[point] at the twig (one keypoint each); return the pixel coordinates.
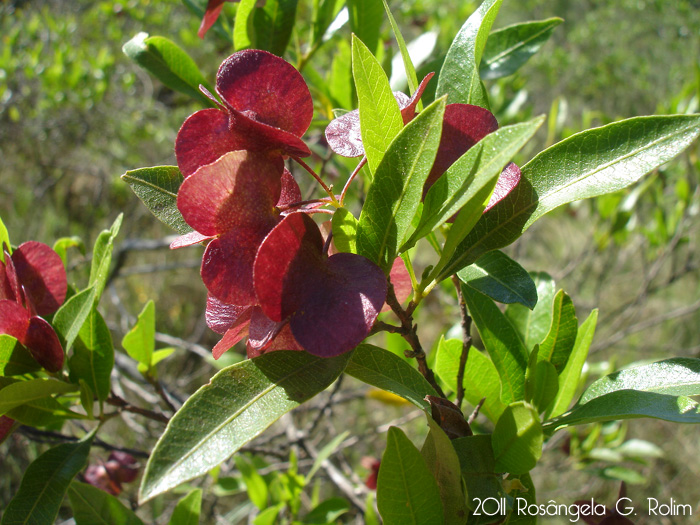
(466, 341)
(45, 436)
(409, 333)
(124, 405)
(475, 412)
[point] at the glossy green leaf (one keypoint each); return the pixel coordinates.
(4, 240)
(502, 343)
(326, 452)
(45, 483)
(383, 369)
(15, 359)
(102, 257)
(405, 56)
(660, 390)
(366, 18)
(517, 439)
(188, 509)
(87, 398)
(273, 24)
(587, 164)
(481, 378)
(327, 511)
(21, 392)
(92, 506)
(469, 182)
(395, 193)
(559, 342)
(459, 76)
(344, 226)
(532, 325)
(380, 116)
(237, 404)
(569, 377)
(254, 483)
(407, 493)
(324, 12)
(340, 81)
(42, 413)
(140, 342)
(501, 278)
(157, 188)
(166, 61)
(483, 483)
(541, 381)
(70, 317)
(442, 461)
(510, 47)
(243, 25)
(93, 356)
(62, 245)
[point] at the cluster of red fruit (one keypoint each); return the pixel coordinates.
(266, 265)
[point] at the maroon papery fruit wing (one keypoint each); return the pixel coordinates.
(230, 338)
(6, 425)
(189, 239)
(227, 265)
(239, 189)
(14, 320)
(266, 335)
(221, 316)
(210, 16)
(343, 135)
(98, 476)
(507, 181)
(12, 280)
(122, 466)
(408, 107)
(401, 281)
(290, 253)
(341, 302)
(204, 137)
(266, 89)
(290, 190)
(463, 126)
(6, 290)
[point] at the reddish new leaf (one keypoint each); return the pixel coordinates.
(507, 181)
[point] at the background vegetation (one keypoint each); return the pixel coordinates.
(75, 114)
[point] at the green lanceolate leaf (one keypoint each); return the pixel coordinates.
(238, 403)
(406, 490)
(273, 25)
(517, 439)
(166, 61)
(102, 257)
(559, 342)
(93, 356)
(501, 278)
(459, 76)
(380, 116)
(507, 352)
(366, 21)
(383, 369)
(70, 317)
(340, 81)
(21, 392)
(481, 380)
(660, 390)
(344, 226)
(477, 464)
(61, 247)
(509, 48)
(541, 381)
(326, 452)
(157, 188)
(92, 506)
(254, 483)
(324, 11)
(139, 342)
(15, 359)
(4, 240)
(532, 324)
(469, 182)
(569, 377)
(45, 482)
(442, 461)
(591, 163)
(188, 509)
(395, 193)
(243, 25)
(405, 56)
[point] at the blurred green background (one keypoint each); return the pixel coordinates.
(75, 114)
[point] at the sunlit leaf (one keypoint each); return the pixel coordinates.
(517, 439)
(92, 506)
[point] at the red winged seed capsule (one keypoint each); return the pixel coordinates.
(266, 107)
